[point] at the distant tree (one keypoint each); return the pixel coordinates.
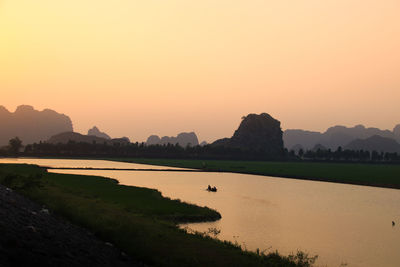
(374, 156)
(301, 153)
(28, 149)
(15, 145)
(291, 153)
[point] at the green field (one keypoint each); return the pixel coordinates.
(137, 220)
(381, 175)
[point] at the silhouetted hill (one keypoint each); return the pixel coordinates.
(221, 142)
(122, 140)
(260, 133)
(96, 132)
(396, 132)
(341, 136)
(66, 137)
(31, 125)
(319, 147)
(359, 130)
(204, 143)
(334, 137)
(187, 138)
(183, 139)
(296, 148)
(306, 139)
(376, 142)
(153, 140)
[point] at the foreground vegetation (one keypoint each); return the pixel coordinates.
(138, 220)
(381, 175)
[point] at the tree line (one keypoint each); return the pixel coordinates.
(141, 150)
(341, 154)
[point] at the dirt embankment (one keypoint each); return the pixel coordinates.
(31, 236)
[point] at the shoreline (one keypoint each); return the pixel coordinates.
(276, 175)
(379, 181)
(215, 171)
(33, 235)
(148, 233)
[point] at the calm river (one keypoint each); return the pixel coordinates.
(343, 224)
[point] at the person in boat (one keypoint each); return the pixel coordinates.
(211, 189)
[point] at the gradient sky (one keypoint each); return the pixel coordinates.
(136, 68)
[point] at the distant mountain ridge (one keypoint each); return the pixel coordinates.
(66, 137)
(335, 136)
(183, 139)
(375, 143)
(255, 132)
(96, 132)
(31, 125)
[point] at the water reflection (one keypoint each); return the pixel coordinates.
(341, 223)
(83, 163)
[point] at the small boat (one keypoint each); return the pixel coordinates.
(211, 189)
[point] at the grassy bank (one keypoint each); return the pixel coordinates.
(381, 175)
(138, 220)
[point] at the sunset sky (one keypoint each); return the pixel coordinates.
(136, 68)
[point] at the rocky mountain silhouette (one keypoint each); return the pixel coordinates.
(183, 139)
(335, 136)
(204, 143)
(31, 125)
(96, 132)
(258, 133)
(319, 147)
(64, 138)
(296, 139)
(396, 132)
(221, 142)
(376, 142)
(153, 140)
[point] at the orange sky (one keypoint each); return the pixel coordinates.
(137, 68)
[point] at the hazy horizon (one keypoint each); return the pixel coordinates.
(136, 68)
(200, 140)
